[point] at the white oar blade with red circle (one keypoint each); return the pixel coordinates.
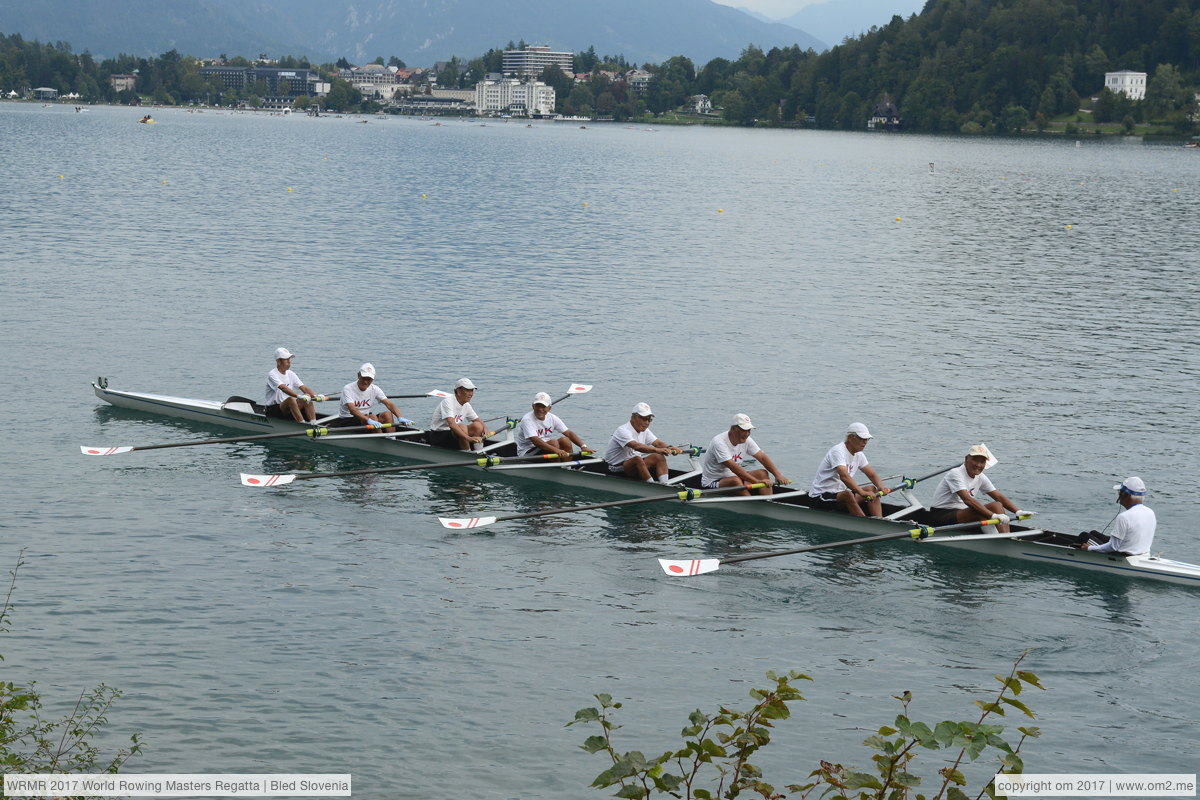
(437, 393)
(579, 388)
(103, 451)
(266, 480)
(461, 524)
(697, 566)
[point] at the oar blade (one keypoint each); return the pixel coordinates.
(264, 481)
(579, 388)
(461, 524)
(437, 393)
(103, 451)
(696, 566)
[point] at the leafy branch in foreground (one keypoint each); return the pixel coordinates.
(714, 761)
(53, 746)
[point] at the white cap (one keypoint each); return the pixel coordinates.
(643, 410)
(743, 422)
(464, 383)
(979, 450)
(367, 371)
(541, 398)
(859, 430)
(1132, 486)
(282, 352)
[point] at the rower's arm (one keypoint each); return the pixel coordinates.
(873, 476)
(392, 407)
(973, 504)
(766, 461)
(1004, 501)
(572, 436)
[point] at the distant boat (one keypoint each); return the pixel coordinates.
(1191, 144)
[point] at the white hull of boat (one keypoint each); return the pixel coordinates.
(785, 505)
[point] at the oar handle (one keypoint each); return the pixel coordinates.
(909, 483)
(925, 531)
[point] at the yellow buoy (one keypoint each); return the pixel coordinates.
(720, 211)
(61, 177)
(585, 204)
(1069, 227)
(289, 188)
(897, 219)
(164, 183)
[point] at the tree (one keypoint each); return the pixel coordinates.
(1164, 92)
(396, 62)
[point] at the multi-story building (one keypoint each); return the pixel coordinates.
(639, 80)
(122, 82)
(535, 58)
(1133, 84)
(499, 95)
(281, 82)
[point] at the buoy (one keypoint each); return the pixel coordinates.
(720, 211)
(422, 197)
(164, 183)
(289, 188)
(897, 219)
(585, 205)
(1068, 227)
(61, 177)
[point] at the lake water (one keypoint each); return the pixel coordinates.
(1035, 295)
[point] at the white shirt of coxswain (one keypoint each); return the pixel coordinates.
(543, 429)
(619, 451)
(275, 379)
(1133, 533)
(362, 399)
(450, 407)
(956, 480)
(827, 480)
(720, 450)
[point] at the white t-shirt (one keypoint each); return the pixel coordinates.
(955, 481)
(619, 451)
(450, 407)
(1133, 533)
(275, 379)
(359, 398)
(720, 450)
(827, 480)
(543, 429)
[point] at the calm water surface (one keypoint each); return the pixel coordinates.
(1038, 296)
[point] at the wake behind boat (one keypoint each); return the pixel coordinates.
(787, 504)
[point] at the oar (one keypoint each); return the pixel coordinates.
(685, 495)
(576, 388)
(909, 483)
(699, 566)
(482, 461)
(434, 393)
(314, 432)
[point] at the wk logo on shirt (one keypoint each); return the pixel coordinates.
(544, 432)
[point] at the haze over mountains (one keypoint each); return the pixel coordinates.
(418, 31)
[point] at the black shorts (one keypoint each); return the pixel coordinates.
(445, 439)
(943, 516)
(825, 500)
(277, 412)
(345, 422)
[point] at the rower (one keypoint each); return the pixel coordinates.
(357, 398)
(455, 424)
(722, 467)
(634, 450)
(287, 397)
(957, 496)
(1136, 523)
(542, 432)
(834, 486)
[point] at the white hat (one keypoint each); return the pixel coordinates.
(464, 383)
(541, 398)
(1132, 486)
(282, 352)
(367, 371)
(859, 430)
(979, 450)
(643, 410)
(743, 422)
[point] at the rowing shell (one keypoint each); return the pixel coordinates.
(787, 504)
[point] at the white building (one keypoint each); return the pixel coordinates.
(535, 58)
(511, 96)
(1133, 84)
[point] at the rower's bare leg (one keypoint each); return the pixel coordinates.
(476, 428)
(875, 506)
(848, 500)
(291, 404)
(636, 468)
(658, 462)
(733, 481)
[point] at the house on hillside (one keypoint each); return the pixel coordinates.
(1131, 84)
(886, 116)
(698, 104)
